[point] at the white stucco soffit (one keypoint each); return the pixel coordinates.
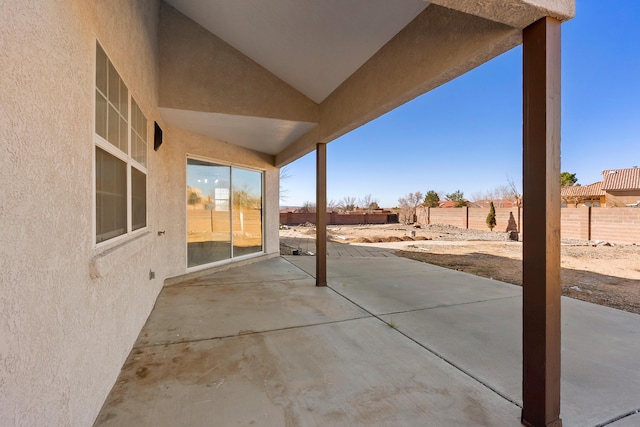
(313, 45)
(268, 136)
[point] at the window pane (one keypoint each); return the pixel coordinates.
(124, 137)
(139, 150)
(143, 127)
(114, 86)
(138, 199)
(111, 196)
(101, 115)
(247, 211)
(208, 215)
(113, 130)
(138, 134)
(124, 100)
(101, 69)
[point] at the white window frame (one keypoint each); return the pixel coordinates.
(100, 142)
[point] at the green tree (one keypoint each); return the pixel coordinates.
(431, 200)
(568, 179)
(458, 197)
(491, 218)
(194, 198)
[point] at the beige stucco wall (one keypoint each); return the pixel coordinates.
(70, 312)
(622, 198)
(225, 80)
(177, 146)
(64, 335)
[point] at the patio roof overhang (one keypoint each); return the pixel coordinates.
(285, 78)
(279, 77)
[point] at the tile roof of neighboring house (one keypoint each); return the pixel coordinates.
(621, 179)
(446, 204)
(591, 190)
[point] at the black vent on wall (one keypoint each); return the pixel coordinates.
(157, 136)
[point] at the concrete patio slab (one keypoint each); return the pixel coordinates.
(272, 269)
(354, 266)
(469, 337)
(629, 421)
(382, 294)
(600, 362)
(355, 373)
(402, 284)
(600, 347)
(196, 312)
(252, 346)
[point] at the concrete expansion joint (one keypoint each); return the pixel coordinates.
(246, 333)
(447, 305)
(256, 282)
(621, 417)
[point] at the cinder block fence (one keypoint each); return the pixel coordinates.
(616, 225)
(295, 218)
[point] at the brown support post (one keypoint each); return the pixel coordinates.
(466, 221)
(541, 240)
(589, 223)
(321, 215)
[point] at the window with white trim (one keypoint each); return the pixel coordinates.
(120, 154)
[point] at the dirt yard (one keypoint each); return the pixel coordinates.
(606, 275)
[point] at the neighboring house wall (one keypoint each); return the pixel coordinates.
(595, 201)
(618, 198)
(70, 311)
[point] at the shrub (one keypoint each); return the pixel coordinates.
(491, 218)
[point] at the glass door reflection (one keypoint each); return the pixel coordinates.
(208, 212)
(247, 211)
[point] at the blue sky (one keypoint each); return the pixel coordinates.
(467, 134)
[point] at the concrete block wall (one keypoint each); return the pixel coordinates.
(295, 218)
(454, 216)
(575, 224)
(291, 218)
(617, 225)
(506, 219)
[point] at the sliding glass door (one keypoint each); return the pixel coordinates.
(224, 212)
(246, 211)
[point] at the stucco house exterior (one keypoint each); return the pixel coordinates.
(584, 195)
(112, 110)
(621, 187)
(618, 188)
